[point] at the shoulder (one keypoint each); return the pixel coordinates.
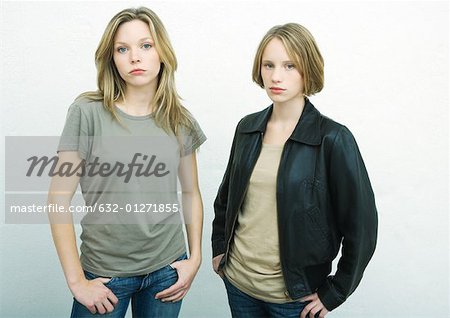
(256, 115)
(191, 128)
(85, 105)
(254, 120)
(88, 110)
(331, 128)
(189, 123)
(317, 129)
(336, 136)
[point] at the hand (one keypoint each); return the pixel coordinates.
(315, 306)
(94, 295)
(216, 262)
(186, 269)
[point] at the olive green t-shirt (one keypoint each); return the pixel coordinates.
(125, 242)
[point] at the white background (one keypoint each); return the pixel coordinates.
(387, 79)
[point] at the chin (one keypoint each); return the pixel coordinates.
(278, 99)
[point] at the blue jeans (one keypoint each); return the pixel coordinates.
(245, 306)
(141, 290)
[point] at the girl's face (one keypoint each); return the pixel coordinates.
(281, 77)
(135, 55)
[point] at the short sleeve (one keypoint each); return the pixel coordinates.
(192, 138)
(75, 133)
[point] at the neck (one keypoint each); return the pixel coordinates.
(137, 101)
(288, 112)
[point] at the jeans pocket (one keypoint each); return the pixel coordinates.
(181, 258)
(91, 276)
(111, 281)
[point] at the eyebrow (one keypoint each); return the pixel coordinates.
(288, 61)
(140, 40)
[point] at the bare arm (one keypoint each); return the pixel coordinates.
(193, 210)
(92, 294)
(192, 200)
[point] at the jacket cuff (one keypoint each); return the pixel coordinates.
(218, 247)
(329, 296)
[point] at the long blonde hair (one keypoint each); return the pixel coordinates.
(169, 113)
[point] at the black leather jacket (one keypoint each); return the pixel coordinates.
(324, 199)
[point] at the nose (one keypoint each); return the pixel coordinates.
(134, 56)
(276, 75)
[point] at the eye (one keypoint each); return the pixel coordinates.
(146, 46)
(290, 66)
(268, 65)
(121, 49)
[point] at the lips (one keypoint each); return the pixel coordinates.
(137, 71)
(276, 90)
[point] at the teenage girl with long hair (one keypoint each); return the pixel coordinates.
(130, 258)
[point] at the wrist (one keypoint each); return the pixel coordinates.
(75, 282)
(196, 258)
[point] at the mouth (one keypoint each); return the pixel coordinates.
(276, 90)
(137, 71)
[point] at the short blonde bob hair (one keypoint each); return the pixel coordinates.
(301, 48)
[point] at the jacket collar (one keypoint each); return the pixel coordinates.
(307, 130)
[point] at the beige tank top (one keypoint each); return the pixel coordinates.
(254, 262)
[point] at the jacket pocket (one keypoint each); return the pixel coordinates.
(317, 237)
(318, 224)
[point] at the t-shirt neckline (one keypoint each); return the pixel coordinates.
(132, 117)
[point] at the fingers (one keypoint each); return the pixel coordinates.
(175, 297)
(108, 299)
(173, 290)
(306, 311)
(174, 293)
(315, 307)
(313, 312)
(107, 307)
(308, 298)
(92, 309)
(186, 271)
(169, 291)
(100, 308)
(98, 298)
(112, 298)
(323, 312)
